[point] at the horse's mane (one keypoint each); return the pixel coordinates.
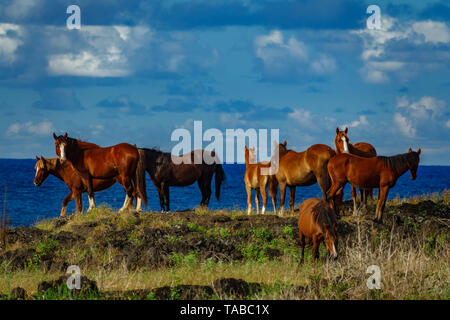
(397, 163)
(51, 163)
(83, 145)
(320, 215)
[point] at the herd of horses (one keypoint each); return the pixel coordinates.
(87, 167)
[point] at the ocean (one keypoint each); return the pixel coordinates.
(27, 204)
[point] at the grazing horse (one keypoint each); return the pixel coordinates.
(317, 221)
(66, 172)
(120, 162)
(255, 180)
(302, 169)
(368, 173)
(362, 149)
(167, 170)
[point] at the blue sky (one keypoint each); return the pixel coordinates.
(137, 70)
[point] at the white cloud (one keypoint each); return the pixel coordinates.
(356, 123)
(447, 124)
(433, 31)
(425, 113)
(379, 55)
(302, 116)
(87, 64)
(41, 129)
(404, 125)
(287, 59)
(9, 43)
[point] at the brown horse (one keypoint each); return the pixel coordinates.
(301, 169)
(66, 172)
(255, 180)
(164, 172)
(120, 162)
(317, 221)
(368, 173)
(362, 149)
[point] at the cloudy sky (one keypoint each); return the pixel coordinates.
(137, 70)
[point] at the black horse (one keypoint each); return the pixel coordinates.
(164, 173)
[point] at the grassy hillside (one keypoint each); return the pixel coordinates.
(228, 254)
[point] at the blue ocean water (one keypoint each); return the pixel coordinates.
(27, 203)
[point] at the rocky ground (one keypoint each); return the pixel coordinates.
(150, 241)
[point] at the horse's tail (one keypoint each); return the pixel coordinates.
(141, 185)
(220, 176)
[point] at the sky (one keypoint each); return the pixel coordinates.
(137, 70)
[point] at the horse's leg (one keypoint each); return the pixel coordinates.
(166, 196)
(302, 245)
(161, 197)
(65, 203)
(249, 198)
(273, 186)
(207, 190)
(354, 195)
(128, 186)
(384, 190)
(263, 190)
(91, 194)
(282, 197)
(315, 247)
(257, 200)
(79, 202)
(291, 200)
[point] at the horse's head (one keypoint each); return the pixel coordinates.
(42, 171)
(331, 239)
(252, 155)
(341, 141)
(61, 144)
(413, 165)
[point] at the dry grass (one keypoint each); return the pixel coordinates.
(413, 265)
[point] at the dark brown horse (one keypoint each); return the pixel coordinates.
(302, 169)
(317, 221)
(166, 171)
(254, 179)
(362, 149)
(369, 173)
(66, 172)
(120, 162)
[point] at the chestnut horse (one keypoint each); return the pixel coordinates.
(362, 149)
(165, 173)
(301, 169)
(368, 173)
(255, 180)
(317, 221)
(120, 162)
(66, 172)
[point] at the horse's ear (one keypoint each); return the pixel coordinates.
(285, 143)
(54, 136)
(37, 158)
(43, 159)
(346, 129)
(419, 151)
(337, 130)
(65, 136)
(410, 150)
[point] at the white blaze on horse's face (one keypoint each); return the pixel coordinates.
(62, 152)
(334, 251)
(344, 141)
(37, 171)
